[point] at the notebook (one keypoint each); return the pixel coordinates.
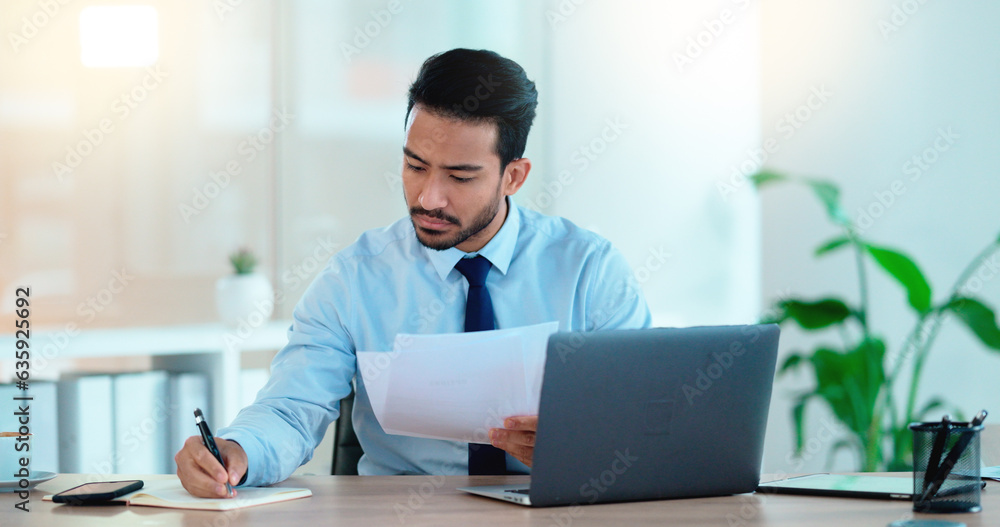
(647, 414)
(170, 494)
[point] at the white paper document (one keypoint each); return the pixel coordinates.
(456, 386)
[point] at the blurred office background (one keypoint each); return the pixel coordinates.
(139, 146)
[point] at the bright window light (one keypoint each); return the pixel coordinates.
(118, 36)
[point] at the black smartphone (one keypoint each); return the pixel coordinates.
(97, 492)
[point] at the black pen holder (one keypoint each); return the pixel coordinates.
(946, 465)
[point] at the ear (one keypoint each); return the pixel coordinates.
(514, 175)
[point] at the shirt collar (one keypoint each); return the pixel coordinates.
(499, 250)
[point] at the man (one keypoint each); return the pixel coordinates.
(466, 126)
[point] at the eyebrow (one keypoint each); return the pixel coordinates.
(458, 168)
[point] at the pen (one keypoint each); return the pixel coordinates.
(206, 437)
(949, 462)
(934, 463)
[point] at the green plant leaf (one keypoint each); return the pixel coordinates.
(906, 272)
(776, 315)
(829, 195)
(815, 315)
(832, 245)
(798, 418)
(243, 261)
(978, 317)
(901, 458)
(831, 368)
(827, 192)
(793, 361)
(850, 383)
(764, 177)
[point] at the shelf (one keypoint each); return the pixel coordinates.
(210, 348)
(158, 340)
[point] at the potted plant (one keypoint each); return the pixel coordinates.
(244, 296)
(856, 377)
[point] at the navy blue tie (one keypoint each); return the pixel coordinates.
(483, 459)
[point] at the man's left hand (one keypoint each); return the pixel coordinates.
(517, 437)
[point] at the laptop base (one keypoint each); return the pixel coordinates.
(513, 493)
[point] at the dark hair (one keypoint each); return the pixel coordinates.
(479, 86)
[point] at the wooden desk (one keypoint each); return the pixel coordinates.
(424, 500)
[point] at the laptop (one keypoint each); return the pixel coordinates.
(646, 414)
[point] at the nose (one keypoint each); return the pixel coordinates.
(432, 196)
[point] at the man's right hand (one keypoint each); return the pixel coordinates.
(202, 475)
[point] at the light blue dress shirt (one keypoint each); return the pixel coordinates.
(544, 268)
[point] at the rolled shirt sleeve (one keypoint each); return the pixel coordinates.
(309, 377)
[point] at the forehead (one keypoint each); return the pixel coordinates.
(446, 140)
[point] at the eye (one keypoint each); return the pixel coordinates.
(414, 168)
(461, 179)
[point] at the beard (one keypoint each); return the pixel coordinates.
(434, 240)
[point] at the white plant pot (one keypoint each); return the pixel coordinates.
(244, 299)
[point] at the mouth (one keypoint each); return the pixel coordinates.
(431, 223)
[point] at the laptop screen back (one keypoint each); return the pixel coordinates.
(653, 413)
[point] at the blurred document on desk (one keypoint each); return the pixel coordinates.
(456, 386)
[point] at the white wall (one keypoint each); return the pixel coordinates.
(637, 138)
(891, 93)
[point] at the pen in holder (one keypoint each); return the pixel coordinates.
(946, 465)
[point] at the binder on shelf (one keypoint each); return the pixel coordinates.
(142, 413)
(187, 392)
(44, 426)
(8, 421)
(86, 425)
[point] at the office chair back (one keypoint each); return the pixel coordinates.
(346, 448)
